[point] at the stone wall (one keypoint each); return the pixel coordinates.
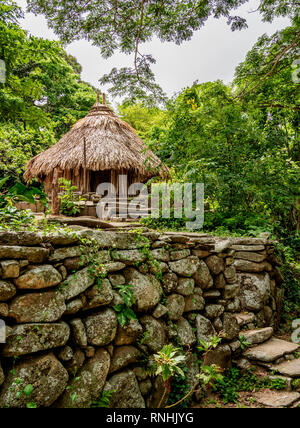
(64, 335)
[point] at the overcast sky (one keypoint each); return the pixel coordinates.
(213, 53)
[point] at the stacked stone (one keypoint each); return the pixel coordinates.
(62, 326)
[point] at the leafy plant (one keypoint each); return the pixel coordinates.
(103, 401)
(167, 364)
(69, 202)
(124, 311)
(243, 342)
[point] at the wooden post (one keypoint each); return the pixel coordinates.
(84, 166)
(55, 204)
(104, 99)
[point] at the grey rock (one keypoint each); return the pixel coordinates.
(179, 254)
(245, 318)
(45, 373)
(211, 294)
(129, 257)
(271, 350)
(161, 254)
(234, 306)
(75, 363)
(37, 307)
(32, 254)
(145, 387)
(169, 282)
(39, 277)
(205, 329)
(194, 303)
(276, 399)
(200, 253)
(247, 247)
(63, 271)
(66, 354)
(159, 311)
(185, 267)
(78, 331)
(231, 328)
(203, 277)
(157, 394)
(129, 333)
(123, 356)
(156, 337)
(175, 305)
(20, 238)
(213, 311)
(230, 291)
(90, 383)
(2, 377)
(77, 283)
(3, 309)
(116, 279)
(219, 281)
(289, 368)
(140, 373)
(220, 356)
(65, 252)
(10, 269)
(146, 289)
(185, 333)
(114, 266)
(99, 295)
(230, 274)
(218, 325)
(254, 290)
(101, 327)
(7, 290)
(215, 264)
(192, 372)
(254, 337)
(31, 338)
(125, 391)
(185, 286)
(251, 256)
(247, 266)
(73, 306)
(120, 240)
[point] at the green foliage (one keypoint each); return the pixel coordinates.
(11, 218)
(41, 97)
(68, 199)
(167, 362)
(124, 25)
(124, 311)
(209, 375)
(207, 346)
(179, 388)
(235, 381)
(124, 314)
(243, 342)
(103, 401)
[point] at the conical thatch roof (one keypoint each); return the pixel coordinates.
(111, 144)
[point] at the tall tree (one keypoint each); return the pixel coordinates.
(123, 25)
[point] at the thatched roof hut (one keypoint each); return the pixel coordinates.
(97, 149)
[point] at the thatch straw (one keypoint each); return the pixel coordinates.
(111, 144)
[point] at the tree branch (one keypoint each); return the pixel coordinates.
(272, 69)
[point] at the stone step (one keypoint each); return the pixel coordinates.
(271, 350)
(288, 368)
(277, 399)
(257, 336)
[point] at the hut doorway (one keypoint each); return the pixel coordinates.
(98, 177)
